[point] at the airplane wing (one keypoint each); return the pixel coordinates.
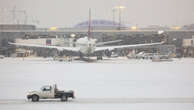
(74, 49)
(108, 42)
(125, 46)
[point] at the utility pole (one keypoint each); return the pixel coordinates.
(113, 15)
(119, 18)
(13, 15)
(120, 8)
(26, 18)
(14, 12)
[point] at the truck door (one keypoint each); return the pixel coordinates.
(46, 92)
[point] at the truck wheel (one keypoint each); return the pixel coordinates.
(64, 98)
(35, 98)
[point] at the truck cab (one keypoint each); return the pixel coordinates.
(47, 92)
(50, 92)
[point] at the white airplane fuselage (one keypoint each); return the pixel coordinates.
(87, 46)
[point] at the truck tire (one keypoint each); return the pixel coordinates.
(35, 98)
(64, 98)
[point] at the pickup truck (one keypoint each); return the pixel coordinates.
(50, 92)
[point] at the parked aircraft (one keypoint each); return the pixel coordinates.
(88, 46)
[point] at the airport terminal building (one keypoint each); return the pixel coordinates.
(103, 30)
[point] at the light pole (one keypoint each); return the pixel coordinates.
(119, 9)
(113, 15)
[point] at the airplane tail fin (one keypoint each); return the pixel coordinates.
(89, 24)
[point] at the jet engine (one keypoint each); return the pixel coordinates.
(108, 53)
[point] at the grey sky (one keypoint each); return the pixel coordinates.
(65, 13)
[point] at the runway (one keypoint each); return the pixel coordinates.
(100, 101)
(118, 84)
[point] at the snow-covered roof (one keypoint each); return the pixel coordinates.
(100, 23)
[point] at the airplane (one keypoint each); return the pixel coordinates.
(88, 46)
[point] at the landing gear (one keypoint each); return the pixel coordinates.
(70, 59)
(99, 57)
(80, 55)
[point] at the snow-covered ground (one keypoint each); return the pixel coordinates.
(108, 79)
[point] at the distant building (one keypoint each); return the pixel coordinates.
(17, 27)
(42, 41)
(188, 47)
(189, 27)
(188, 42)
(156, 28)
(100, 25)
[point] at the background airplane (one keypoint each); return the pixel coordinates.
(88, 46)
